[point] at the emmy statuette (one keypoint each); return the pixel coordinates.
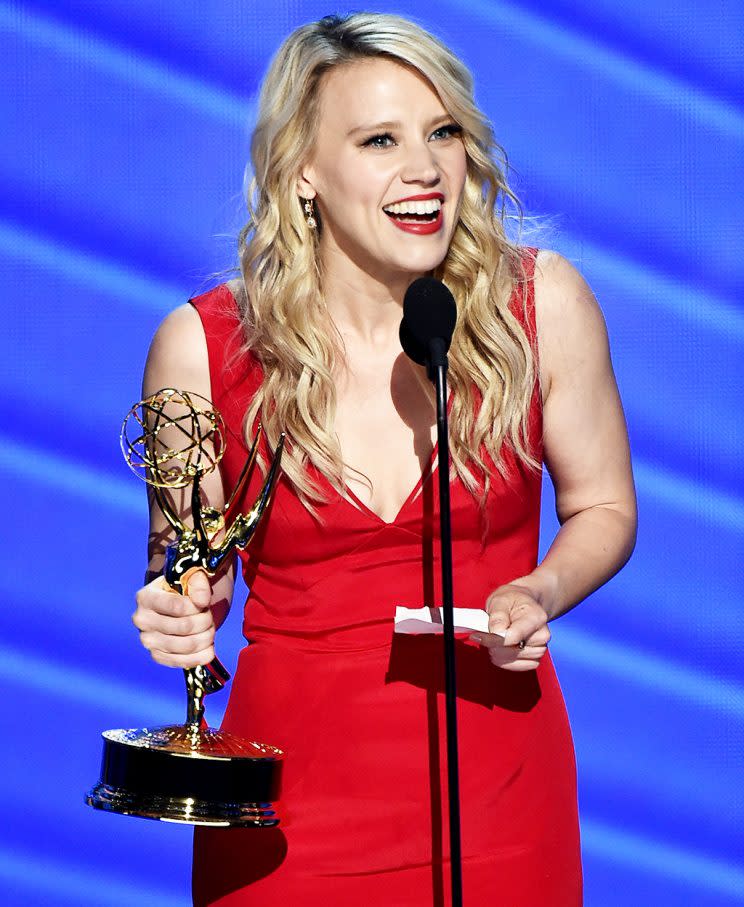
(189, 772)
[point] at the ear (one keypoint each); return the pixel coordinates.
(305, 183)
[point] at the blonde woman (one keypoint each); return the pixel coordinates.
(372, 166)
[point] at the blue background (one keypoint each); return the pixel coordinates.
(125, 131)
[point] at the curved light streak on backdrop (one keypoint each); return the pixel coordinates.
(125, 137)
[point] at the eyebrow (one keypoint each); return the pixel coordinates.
(394, 124)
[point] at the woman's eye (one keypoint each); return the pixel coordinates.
(384, 140)
(446, 132)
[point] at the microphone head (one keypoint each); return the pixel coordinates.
(429, 312)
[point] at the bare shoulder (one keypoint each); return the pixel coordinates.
(561, 292)
(572, 334)
(178, 354)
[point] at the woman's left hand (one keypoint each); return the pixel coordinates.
(514, 609)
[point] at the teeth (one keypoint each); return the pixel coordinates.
(427, 207)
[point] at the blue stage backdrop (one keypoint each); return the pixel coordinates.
(125, 131)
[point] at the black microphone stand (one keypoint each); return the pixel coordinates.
(436, 367)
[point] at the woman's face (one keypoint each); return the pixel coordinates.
(387, 170)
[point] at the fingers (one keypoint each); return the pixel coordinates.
(177, 645)
(161, 599)
(511, 658)
(529, 627)
(198, 588)
(489, 640)
(520, 666)
(180, 651)
(498, 620)
(177, 630)
(202, 657)
(518, 633)
(188, 625)
(526, 619)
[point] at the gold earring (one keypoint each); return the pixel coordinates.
(310, 214)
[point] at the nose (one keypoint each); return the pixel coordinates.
(420, 166)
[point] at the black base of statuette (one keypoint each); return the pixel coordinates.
(195, 776)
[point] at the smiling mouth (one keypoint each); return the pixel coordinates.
(415, 212)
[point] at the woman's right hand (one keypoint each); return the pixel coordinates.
(177, 630)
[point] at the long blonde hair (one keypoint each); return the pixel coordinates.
(285, 323)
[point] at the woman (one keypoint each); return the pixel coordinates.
(373, 167)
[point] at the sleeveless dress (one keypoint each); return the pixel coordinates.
(359, 709)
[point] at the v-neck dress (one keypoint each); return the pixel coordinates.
(359, 708)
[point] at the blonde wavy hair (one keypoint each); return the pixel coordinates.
(285, 322)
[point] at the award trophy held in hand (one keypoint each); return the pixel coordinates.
(190, 772)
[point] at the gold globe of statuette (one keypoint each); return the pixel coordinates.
(191, 773)
(171, 436)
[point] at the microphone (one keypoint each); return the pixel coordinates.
(429, 316)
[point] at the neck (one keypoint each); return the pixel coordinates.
(362, 303)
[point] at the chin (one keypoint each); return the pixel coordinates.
(422, 263)
(425, 253)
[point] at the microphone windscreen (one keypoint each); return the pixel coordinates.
(429, 312)
(411, 347)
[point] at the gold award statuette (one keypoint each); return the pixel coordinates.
(190, 772)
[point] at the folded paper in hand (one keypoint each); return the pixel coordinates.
(429, 620)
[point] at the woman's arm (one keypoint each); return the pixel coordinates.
(585, 442)
(586, 452)
(178, 630)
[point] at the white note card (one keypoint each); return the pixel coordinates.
(429, 620)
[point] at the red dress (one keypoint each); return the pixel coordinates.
(360, 710)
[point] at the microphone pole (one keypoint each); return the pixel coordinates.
(437, 371)
(429, 318)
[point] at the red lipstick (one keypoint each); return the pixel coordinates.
(419, 227)
(419, 198)
(423, 228)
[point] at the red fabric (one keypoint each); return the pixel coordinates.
(360, 710)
